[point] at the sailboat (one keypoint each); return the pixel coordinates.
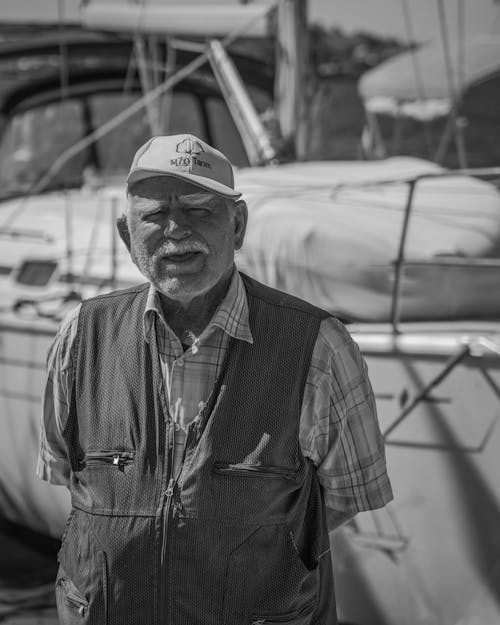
(403, 250)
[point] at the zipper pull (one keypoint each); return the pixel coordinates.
(117, 460)
(170, 488)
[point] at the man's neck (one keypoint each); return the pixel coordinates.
(188, 318)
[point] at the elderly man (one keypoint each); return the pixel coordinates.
(202, 421)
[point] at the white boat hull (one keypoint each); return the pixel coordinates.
(432, 556)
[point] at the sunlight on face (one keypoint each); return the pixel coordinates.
(182, 238)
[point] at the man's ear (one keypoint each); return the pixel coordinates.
(240, 223)
(121, 224)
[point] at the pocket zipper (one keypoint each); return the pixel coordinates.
(74, 600)
(116, 458)
(254, 470)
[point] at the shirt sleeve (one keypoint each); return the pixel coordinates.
(53, 464)
(339, 429)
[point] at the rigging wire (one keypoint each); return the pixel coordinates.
(417, 71)
(452, 90)
(170, 62)
(142, 47)
(63, 53)
(127, 89)
(64, 90)
(461, 69)
(39, 185)
(146, 82)
(461, 31)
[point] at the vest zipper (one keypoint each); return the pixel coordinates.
(169, 493)
(166, 513)
(167, 502)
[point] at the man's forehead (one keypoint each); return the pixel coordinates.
(169, 189)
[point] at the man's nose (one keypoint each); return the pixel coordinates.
(177, 226)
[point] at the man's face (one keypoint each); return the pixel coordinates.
(183, 238)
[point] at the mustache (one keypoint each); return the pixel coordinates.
(183, 248)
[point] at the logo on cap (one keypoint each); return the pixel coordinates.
(189, 146)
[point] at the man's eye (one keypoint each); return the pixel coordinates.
(199, 211)
(152, 213)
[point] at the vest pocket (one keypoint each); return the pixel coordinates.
(254, 470)
(266, 582)
(113, 457)
(72, 606)
(302, 616)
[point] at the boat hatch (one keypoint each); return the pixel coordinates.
(35, 272)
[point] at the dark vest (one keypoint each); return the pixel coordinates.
(239, 537)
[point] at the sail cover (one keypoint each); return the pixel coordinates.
(316, 231)
(417, 83)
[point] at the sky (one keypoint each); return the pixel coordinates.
(380, 17)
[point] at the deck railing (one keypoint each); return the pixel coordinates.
(400, 262)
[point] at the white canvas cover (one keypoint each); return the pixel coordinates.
(334, 246)
(394, 88)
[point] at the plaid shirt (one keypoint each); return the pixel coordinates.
(339, 429)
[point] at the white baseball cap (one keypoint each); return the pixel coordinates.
(185, 157)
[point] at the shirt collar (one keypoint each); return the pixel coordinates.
(231, 316)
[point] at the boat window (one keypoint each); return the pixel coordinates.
(185, 116)
(33, 140)
(181, 114)
(35, 272)
(224, 133)
(116, 150)
(31, 143)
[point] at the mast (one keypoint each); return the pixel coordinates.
(251, 20)
(292, 82)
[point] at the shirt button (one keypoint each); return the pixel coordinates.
(180, 363)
